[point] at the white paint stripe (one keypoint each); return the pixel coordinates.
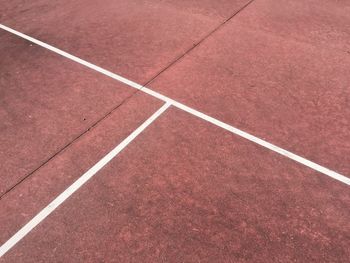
(251, 138)
(74, 58)
(265, 144)
(183, 107)
(77, 184)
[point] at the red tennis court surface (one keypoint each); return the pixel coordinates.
(232, 144)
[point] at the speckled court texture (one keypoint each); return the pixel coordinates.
(175, 131)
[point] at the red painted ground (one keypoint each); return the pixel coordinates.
(46, 102)
(186, 191)
(273, 64)
(134, 38)
(317, 22)
(292, 94)
(27, 199)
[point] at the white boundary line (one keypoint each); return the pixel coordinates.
(78, 183)
(183, 107)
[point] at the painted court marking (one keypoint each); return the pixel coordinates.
(192, 111)
(78, 183)
(99, 165)
(183, 107)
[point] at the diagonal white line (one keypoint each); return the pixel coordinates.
(265, 144)
(78, 183)
(74, 58)
(190, 110)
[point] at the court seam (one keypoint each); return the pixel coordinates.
(79, 182)
(187, 109)
(113, 109)
(198, 43)
(105, 115)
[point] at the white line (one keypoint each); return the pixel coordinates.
(265, 144)
(74, 58)
(77, 184)
(183, 107)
